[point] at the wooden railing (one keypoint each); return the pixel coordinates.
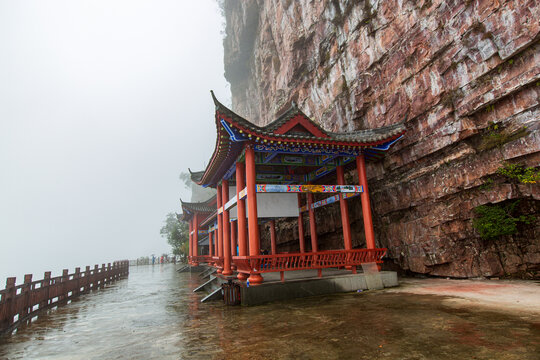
(20, 303)
(305, 261)
(200, 259)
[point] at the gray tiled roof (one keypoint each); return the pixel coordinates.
(362, 137)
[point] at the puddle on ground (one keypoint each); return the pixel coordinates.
(155, 315)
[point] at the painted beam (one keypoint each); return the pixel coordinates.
(270, 188)
(230, 203)
(243, 193)
(330, 200)
(304, 150)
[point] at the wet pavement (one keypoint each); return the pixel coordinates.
(155, 315)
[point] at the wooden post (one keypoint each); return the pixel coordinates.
(45, 287)
(196, 237)
(366, 207)
(190, 243)
(210, 244)
(77, 281)
(220, 225)
(234, 227)
(347, 239)
(64, 288)
(95, 277)
(241, 209)
(103, 276)
(226, 229)
(87, 276)
(273, 247)
(25, 297)
(254, 244)
(312, 224)
(241, 214)
(215, 243)
(109, 271)
(301, 226)
(8, 304)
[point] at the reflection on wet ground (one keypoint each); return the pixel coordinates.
(155, 315)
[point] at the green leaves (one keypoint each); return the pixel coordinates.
(519, 173)
(497, 220)
(177, 234)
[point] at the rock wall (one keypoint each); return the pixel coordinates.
(466, 72)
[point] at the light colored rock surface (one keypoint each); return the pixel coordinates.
(514, 296)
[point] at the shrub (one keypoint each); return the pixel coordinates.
(519, 173)
(498, 220)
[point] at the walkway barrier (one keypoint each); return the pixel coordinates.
(20, 303)
(200, 259)
(305, 261)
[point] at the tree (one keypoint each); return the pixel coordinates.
(177, 234)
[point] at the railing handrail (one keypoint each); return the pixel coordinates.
(68, 276)
(323, 252)
(27, 299)
(305, 261)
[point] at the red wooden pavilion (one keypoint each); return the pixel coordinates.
(262, 173)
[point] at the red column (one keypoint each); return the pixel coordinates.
(220, 226)
(273, 237)
(226, 229)
(347, 239)
(190, 250)
(254, 245)
(215, 243)
(234, 224)
(234, 227)
(366, 207)
(312, 225)
(241, 210)
(210, 244)
(195, 237)
(301, 226)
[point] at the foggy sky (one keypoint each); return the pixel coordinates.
(102, 105)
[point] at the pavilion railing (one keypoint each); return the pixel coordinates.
(218, 262)
(306, 261)
(201, 259)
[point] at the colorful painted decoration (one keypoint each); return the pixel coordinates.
(303, 150)
(270, 188)
(328, 201)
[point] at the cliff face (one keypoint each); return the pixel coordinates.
(467, 73)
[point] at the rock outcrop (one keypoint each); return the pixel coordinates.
(467, 73)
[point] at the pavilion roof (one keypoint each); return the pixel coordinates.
(292, 128)
(203, 207)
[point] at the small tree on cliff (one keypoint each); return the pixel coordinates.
(177, 234)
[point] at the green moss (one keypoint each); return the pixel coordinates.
(519, 173)
(496, 135)
(498, 220)
(487, 185)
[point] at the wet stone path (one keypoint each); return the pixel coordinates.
(155, 315)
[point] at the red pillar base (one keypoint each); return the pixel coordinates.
(242, 276)
(255, 279)
(227, 272)
(194, 264)
(219, 271)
